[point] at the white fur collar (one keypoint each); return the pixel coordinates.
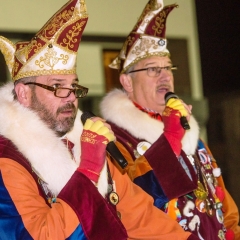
(117, 108)
(43, 149)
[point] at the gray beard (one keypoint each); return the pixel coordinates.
(60, 127)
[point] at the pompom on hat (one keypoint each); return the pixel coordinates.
(53, 50)
(147, 37)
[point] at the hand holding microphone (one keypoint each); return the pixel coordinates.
(110, 147)
(175, 122)
(173, 101)
(94, 140)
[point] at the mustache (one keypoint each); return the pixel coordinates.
(163, 86)
(68, 106)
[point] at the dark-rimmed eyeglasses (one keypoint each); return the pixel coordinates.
(62, 92)
(155, 71)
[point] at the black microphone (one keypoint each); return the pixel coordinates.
(111, 147)
(183, 120)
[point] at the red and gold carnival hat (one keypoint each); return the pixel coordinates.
(53, 50)
(147, 37)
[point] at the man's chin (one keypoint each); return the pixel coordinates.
(65, 125)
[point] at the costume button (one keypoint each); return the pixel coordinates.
(113, 197)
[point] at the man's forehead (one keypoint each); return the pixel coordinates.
(58, 78)
(155, 59)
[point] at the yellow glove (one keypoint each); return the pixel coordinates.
(99, 128)
(177, 104)
(94, 140)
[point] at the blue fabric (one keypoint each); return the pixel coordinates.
(11, 225)
(200, 145)
(149, 184)
(77, 234)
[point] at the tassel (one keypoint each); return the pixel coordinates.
(229, 234)
(220, 193)
(217, 172)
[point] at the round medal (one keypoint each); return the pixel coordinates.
(142, 147)
(219, 215)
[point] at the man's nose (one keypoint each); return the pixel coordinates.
(164, 75)
(71, 97)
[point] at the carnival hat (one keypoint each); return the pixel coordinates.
(53, 50)
(147, 37)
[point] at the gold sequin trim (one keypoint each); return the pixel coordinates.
(44, 72)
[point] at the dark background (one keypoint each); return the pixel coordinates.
(219, 35)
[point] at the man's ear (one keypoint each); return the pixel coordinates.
(23, 94)
(126, 82)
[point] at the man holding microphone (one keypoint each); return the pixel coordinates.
(160, 138)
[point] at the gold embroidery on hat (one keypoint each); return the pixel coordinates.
(33, 44)
(51, 59)
(25, 50)
(16, 66)
(159, 26)
(154, 5)
(54, 47)
(8, 56)
(144, 46)
(144, 13)
(57, 23)
(129, 42)
(83, 7)
(117, 63)
(139, 58)
(71, 36)
(44, 72)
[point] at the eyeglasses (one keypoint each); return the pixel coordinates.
(155, 71)
(61, 92)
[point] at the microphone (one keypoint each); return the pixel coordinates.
(183, 120)
(111, 147)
